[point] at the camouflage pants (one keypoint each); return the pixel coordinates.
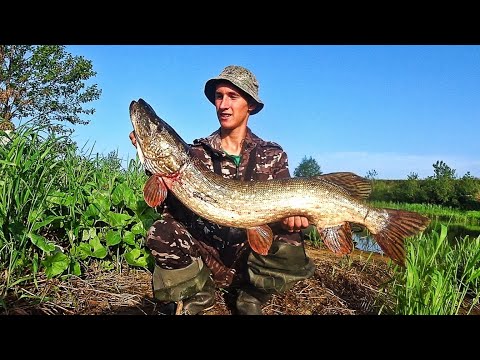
(226, 253)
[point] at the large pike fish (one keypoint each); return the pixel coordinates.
(330, 202)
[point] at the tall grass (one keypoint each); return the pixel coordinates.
(28, 172)
(440, 278)
(61, 208)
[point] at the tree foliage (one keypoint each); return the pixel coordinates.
(442, 171)
(443, 188)
(307, 167)
(440, 187)
(46, 85)
(371, 174)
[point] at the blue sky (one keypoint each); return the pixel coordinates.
(395, 109)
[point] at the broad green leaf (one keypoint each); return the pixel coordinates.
(93, 248)
(34, 214)
(101, 201)
(130, 199)
(138, 257)
(113, 237)
(17, 229)
(89, 234)
(122, 193)
(117, 220)
(99, 251)
(55, 264)
(91, 212)
(138, 229)
(129, 238)
(47, 221)
(139, 207)
(83, 251)
(60, 198)
(41, 242)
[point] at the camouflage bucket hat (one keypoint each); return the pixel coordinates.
(241, 78)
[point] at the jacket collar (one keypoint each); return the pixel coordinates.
(214, 142)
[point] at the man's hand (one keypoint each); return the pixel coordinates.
(294, 223)
(132, 138)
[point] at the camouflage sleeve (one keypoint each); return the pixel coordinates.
(197, 151)
(177, 210)
(200, 153)
(281, 170)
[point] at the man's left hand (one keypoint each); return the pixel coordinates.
(294, 223)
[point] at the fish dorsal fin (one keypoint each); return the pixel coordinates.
(155, 191)
(355, 185)
(338, 238)
(260, 238)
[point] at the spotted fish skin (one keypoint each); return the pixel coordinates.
(330, 201)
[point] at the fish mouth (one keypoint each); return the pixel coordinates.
(156, 141)
(144, 119)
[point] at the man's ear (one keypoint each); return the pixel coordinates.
(252, 106)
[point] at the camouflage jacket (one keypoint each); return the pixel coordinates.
(260, 160)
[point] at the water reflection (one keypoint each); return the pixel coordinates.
(366, 243)
(456, 231)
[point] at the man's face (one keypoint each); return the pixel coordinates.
(232, 107)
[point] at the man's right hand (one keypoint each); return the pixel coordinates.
(294, 223)
(133, 139)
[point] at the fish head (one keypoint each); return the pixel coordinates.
(160, 149)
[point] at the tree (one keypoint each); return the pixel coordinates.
(413, 176)
(307, 167)
(45, 84)
(440, 188)
(371, 174)
(466, 189)
(443, 171)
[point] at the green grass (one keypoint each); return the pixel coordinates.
(439, 278)
(61, 209)
(435, 212)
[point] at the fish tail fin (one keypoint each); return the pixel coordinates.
(400, 225)
(338, 238)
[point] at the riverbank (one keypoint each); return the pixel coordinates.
(349, 285)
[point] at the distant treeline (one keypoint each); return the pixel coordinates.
(463, 193)
(444, 188)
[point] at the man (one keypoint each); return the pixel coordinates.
(193, 256)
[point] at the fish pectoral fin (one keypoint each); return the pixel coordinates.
(155, 191)
(260, 238)
(338, 238)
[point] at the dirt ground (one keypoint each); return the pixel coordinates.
(348, 285)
